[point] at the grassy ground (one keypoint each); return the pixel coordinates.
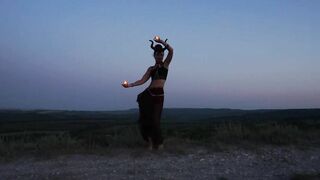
(46, 139)
(305, 176)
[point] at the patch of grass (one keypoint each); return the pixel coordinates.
(106, 138)
(220, 136)
(127, 136)
(41, 146)
(305, 176)
(177, 145)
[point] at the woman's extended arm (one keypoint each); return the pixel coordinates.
(144, 78)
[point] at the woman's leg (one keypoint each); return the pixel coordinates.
(145, 115)
(156, 125)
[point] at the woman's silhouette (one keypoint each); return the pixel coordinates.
(151, 99)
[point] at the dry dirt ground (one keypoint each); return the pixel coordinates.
(196, 163)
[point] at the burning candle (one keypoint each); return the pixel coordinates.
(157, 38)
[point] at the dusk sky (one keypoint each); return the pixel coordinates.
(74, 54)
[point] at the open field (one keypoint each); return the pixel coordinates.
(206, 138)
(44, 131)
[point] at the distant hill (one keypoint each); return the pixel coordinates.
(238, 114)
(169, 115)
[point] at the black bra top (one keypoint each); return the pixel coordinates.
(159, 73)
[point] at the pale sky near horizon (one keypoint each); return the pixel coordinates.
(74, 54)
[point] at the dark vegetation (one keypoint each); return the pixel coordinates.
(300, 176)
(44, 132)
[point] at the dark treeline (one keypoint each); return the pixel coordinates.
(172, 114)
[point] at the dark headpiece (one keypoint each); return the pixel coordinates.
(158, 47)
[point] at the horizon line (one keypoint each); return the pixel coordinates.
(130, 109)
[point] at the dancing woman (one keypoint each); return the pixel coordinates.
(151, 99)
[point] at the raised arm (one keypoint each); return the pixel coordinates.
(170, 54)
(144, 79)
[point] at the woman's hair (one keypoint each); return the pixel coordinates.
(157, 48)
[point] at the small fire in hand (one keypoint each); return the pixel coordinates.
(125, 83)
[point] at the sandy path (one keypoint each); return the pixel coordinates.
(266, 163)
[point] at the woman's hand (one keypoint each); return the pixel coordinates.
(125, 84)
(157, 39)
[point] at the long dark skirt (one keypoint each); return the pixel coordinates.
(150, 109)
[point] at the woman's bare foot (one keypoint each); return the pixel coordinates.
(150, 147)
(160, 147)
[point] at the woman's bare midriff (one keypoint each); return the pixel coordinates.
(159, 83)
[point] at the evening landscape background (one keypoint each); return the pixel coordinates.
(74, 55)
